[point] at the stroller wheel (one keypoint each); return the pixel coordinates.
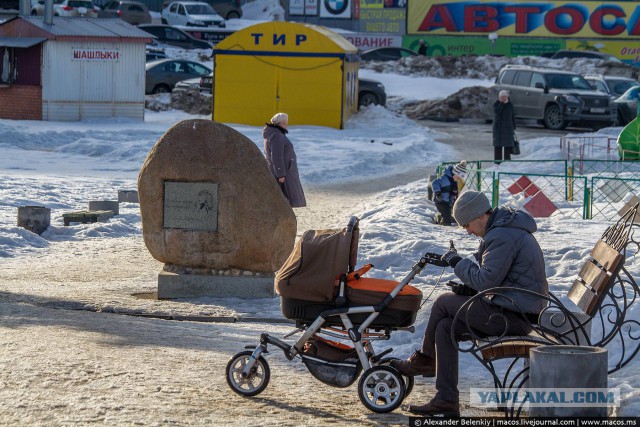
(408, 381)
(381, 389)
(255, 382)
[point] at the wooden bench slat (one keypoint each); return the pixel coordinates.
(606, 256)
(594, 277)
(583, 297)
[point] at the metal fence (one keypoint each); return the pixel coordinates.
(600, 192)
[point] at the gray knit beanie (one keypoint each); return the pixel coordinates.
(469, 206)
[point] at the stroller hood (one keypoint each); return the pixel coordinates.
(320, 257)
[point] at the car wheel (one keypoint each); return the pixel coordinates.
(553, 118)
(233, 15)
(161, 88)
(164, 21)
(366, 99)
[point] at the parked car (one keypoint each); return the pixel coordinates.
(133, 12)
(163, 74)
(173, 36)
(371, 92)
(584, 54)
(84, 8)
(202, 84)
(192, 14)
(386, 54)
(555, 98)
(228, 9)
(628, 105)
(10, 4)
(613, 86)
(153, 55)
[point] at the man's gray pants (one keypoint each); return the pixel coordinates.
(437, 341)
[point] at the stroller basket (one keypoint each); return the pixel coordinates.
(331, 362)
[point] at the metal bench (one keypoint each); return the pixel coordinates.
(603, 293)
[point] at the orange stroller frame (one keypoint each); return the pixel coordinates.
(353, 312)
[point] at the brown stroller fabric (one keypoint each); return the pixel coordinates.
(313, 269)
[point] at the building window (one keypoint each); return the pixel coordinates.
(7, 66)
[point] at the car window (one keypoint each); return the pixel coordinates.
(523, 78)
(135, 8)
(111, 5)
(80, 3)
(507, 77)
(567, 81)
(175, 35)
(537, 78)
(199, 9)
(173, 8)
(181, 10)
(599, 86)
(620, 87)
(198, 69)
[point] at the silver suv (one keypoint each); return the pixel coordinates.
(555, 98)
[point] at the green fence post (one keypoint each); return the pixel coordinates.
(496, 190)
(569, 189)
(586, 212)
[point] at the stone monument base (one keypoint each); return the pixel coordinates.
(174, 285)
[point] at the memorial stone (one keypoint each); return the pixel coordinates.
(209, 206)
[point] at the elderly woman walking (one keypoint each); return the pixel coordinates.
(281, 158)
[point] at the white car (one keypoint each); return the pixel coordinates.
(83, 8)
(191, 13)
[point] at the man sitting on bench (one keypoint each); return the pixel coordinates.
(508, 256)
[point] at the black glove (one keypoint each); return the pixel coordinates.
(435, 259)
(460, 289)
(438, 197)
(451, 257)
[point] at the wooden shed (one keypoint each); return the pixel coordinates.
(71, 69)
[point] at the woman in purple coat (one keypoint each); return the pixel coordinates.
(281, 158)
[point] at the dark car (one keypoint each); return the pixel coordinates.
(386, 54)
(614, 86)
(10, 4)
(584, 54)
(163, 74)
(228, 9)
(173, 36)
(133, 12)
(628, 105)
(371, 92)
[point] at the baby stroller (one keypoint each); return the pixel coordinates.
(320, 289)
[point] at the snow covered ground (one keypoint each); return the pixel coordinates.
(67, 360)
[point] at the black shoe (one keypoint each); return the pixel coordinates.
(437, 408)
(417, 364)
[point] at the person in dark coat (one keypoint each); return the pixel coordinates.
(445, 190)
(504, 127)
(508, 256)
(422, 48)
(281, 158)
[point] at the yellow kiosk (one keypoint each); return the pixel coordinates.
(306, 71)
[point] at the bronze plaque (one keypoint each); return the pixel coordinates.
(191, 205)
